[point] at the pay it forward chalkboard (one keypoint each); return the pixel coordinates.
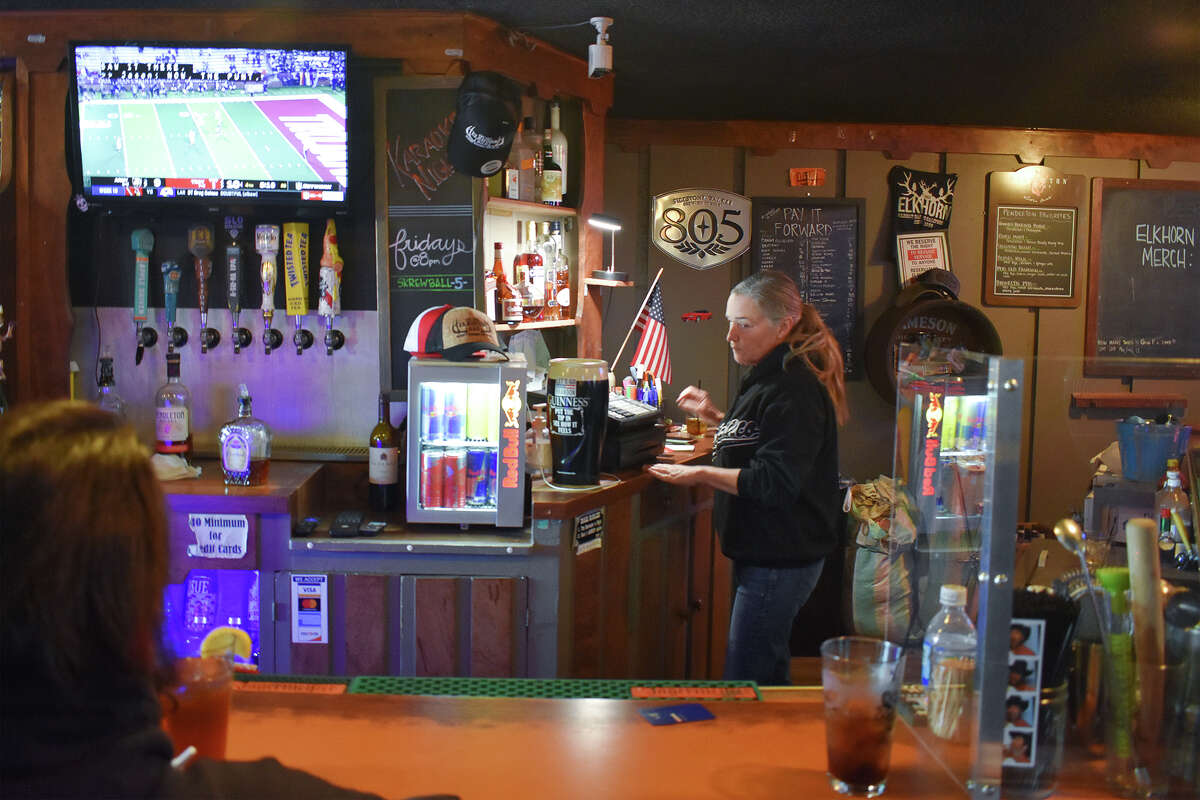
(1144, 279)
(819, 243)
(424, 221)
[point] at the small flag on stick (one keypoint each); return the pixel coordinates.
(653, 353)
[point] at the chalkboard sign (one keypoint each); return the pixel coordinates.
(1032, 235)
(819, 243)
(1144, 279)
(424, 218)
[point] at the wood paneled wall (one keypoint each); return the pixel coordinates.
(751, 158)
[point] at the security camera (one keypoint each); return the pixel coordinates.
(600, 56)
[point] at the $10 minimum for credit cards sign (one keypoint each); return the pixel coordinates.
(703, 228)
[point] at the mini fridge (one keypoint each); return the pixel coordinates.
(466, 442)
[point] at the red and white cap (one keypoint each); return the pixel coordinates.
(457, 333)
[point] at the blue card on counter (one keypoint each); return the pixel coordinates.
(670, 715)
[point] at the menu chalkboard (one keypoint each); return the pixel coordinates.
(1032, 231)
(819, 243)
(1144, 279)
(426, 228)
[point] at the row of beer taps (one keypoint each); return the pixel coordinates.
(267, 242)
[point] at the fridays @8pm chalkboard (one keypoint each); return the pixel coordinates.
(424, 219)
(819, 243)
(1144, 279)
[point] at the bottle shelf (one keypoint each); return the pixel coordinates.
(502, 206)
(503, 327)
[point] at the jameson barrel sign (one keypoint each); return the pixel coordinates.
(703, 228)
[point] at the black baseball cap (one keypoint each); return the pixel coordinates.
(484, 125)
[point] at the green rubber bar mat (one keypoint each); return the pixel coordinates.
(556, 688)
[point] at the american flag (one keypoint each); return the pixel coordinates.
(653, 353)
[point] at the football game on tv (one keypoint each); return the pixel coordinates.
(219, 124)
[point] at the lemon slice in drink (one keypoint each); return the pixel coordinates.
(225, 639)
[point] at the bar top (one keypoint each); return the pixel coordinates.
(551, 503)
(288, 484)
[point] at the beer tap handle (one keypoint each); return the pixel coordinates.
(177, 337)
(200, 245)
(329, 304)
(142, 241)
(295, 271)
(266, 242)
(233, 260)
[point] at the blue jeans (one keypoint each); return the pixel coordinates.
(760, 626)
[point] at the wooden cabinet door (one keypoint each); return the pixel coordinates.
(410, 625)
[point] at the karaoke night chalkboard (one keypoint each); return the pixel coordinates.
(427, 241)
(819, 243)
(1144, 279)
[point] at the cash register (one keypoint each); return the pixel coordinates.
(635, 434)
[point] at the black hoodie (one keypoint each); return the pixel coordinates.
(782, 433)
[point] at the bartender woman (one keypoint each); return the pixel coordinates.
(775, 467)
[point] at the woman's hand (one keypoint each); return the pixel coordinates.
(697, 403)
(677, 474)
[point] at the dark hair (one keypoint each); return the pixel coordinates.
(1016, 700)
(83, 547)
(778, 297)
(1019, 665)
(1025, 737)
(1024, 630)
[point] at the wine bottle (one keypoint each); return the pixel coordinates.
(384, 462)
(559, 141)
(552, 173)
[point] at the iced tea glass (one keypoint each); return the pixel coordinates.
(196, 707)
(861, 681)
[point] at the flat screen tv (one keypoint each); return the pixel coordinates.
(216, 124)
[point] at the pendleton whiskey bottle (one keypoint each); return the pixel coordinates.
(173, 414)
(245, 444)
(383, 467)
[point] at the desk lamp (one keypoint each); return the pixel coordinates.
(612, 225)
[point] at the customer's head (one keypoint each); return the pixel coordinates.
(765, 310)
(83, 554)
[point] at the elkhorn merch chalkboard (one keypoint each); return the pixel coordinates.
(819, 243)
(1144, 279)
(425, 219)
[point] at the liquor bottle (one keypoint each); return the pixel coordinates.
(508, 305)
(558, 141)
(562, 272)
(535, 270)
(106, 390)
(531, 163)
(512, 167)
(552, 173)
(245, 444)
(520, 270)
(173, 413)
(490, 284)
(384, 464)
(1173, 509)
(546, 246)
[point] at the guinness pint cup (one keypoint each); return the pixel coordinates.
(577, 395)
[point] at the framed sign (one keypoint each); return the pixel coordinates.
(1143, 280)
(819, 243)
(425, 231)
(1032, 238)
(703, 228)
(920, 252)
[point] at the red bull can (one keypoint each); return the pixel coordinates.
(493, 469)
(454, 479)
(455, 404)
(432, 479)
(477, 477)
(433, 413)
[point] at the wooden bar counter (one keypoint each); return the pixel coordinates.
(622, 581)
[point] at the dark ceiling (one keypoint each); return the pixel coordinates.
(1103, 65)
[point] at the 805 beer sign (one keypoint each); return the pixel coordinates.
(703, 228)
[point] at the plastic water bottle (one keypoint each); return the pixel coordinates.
(948, 664)
(950, 632)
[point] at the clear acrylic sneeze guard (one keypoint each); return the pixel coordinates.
(954, 521)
